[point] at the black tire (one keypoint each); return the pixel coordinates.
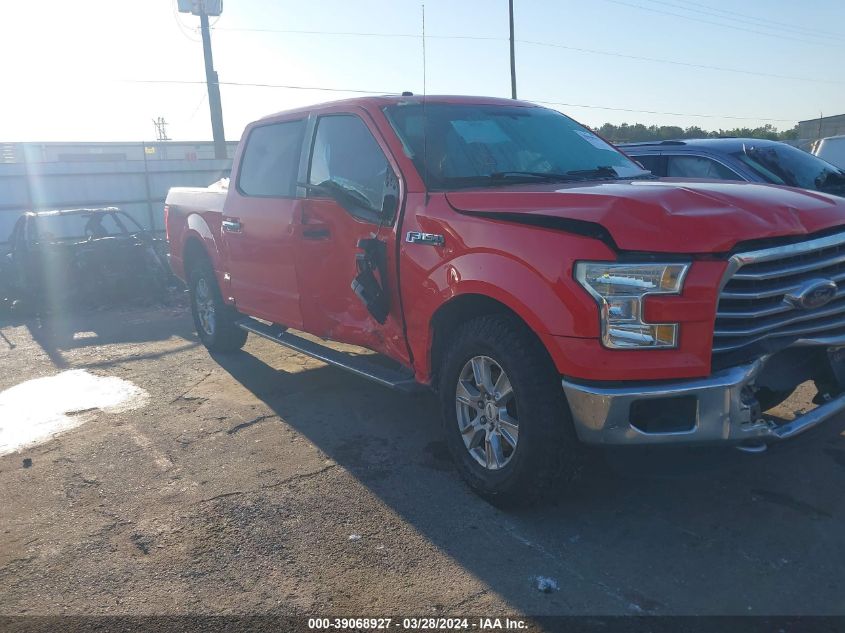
(547, 453)
(218, 334)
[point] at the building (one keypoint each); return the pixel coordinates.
(132, 176)
(822, 128)
(109, 152)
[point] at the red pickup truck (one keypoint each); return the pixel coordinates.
(548, 288)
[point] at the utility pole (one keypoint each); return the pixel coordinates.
(161, 129)
(213, 90)
(513, 56)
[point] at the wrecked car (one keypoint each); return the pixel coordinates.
(545, 285)
(71, 257)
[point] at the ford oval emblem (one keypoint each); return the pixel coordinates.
(812, 294)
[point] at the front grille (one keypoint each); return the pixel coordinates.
(753, 313)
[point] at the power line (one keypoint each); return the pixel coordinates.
(257, 85)
(720, 24)
(705, 116)
(360, 34)
(739, 17)
(592, 51)
(759, 19)
(199, 105)
(677, 63)
(389, 93)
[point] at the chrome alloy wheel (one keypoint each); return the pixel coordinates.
(487, 415)
(205, 306)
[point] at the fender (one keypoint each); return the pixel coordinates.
(197, 227)
(547, 306)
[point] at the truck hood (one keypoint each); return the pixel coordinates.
(667, 215)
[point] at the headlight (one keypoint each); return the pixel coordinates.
(619, 289)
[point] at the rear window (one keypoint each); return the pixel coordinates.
(649, 161)
(270, 160)
(690, 166)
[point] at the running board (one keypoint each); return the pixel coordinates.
(385, 376)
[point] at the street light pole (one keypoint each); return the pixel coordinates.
(513, 56)
(214, 102)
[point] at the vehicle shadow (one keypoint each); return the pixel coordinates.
(60, 332)
(682, 531)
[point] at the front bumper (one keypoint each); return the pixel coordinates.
(718, 409)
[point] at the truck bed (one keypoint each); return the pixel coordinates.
(197, 199)
(184, 202)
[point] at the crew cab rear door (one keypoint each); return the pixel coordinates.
(352, 192)
(258, 223)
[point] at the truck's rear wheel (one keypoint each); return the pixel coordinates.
(213, 319)
(504, 415)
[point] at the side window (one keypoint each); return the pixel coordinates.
(698, 167)
(650, 162)
(270, 160)
(102, 225)
(346, 154)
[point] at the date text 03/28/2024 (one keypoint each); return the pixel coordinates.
(417, 624)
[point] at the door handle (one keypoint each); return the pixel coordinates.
(232, 226)
(316, 234)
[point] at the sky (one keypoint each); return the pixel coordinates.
(101, 70)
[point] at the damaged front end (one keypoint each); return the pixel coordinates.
(779, 326)
(738, 405)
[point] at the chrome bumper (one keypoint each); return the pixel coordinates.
(602, 415)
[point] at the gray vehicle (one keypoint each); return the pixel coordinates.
(748, 159)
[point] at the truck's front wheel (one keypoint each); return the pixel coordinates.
(214, 320)
(504, 415)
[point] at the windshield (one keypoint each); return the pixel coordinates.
(490, 145)
(786, 165)
(74, 226)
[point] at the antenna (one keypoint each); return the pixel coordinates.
(513, 59)
(425, 118)
(423, 47)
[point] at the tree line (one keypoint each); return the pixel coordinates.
(637, 132)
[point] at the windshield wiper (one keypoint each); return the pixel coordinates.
(831, 179)
(546, 176)
(837, 189)
(602, 171)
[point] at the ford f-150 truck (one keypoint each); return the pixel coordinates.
(550, 290)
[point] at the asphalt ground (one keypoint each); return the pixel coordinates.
(267, 482)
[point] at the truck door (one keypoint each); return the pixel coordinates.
(258, 224)
(353, 194)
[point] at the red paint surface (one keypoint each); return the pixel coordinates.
(280, 276)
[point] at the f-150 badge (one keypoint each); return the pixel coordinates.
(432, 239)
